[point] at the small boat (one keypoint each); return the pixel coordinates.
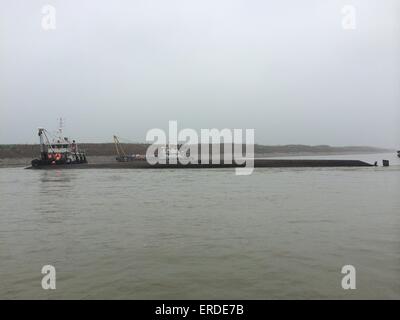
(398, 153)
(58, 151)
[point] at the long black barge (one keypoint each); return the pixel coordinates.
(258, 163)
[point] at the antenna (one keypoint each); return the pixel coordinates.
(61, 124)
(60, 128)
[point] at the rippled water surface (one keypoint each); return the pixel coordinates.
(181, 234)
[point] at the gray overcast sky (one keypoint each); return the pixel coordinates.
(285, 68)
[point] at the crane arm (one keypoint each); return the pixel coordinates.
(118, 147)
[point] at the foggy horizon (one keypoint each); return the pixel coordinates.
(217, 158)
(288, 70)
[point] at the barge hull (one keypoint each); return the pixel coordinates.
(258, 163)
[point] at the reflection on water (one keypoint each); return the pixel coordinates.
(61, 176)
(279, 233)
(51, 205)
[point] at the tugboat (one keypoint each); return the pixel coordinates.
(60, 151)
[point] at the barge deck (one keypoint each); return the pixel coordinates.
(258, 163)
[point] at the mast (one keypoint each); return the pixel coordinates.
(60, 130)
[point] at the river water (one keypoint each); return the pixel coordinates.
(208, 234)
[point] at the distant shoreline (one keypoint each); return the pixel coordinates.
(20, 151)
